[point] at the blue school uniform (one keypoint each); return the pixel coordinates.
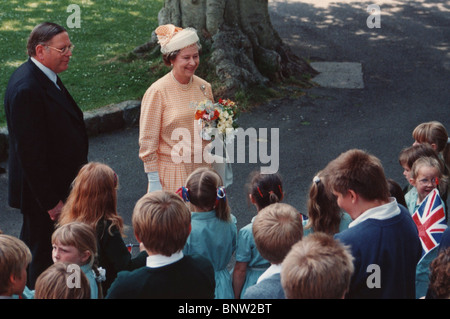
(90, 275)
(215, 240)
(343, 225)
(393, 245)
(423, 266)
(411, 200)
(247, 252)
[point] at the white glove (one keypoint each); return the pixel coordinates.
(153, 182)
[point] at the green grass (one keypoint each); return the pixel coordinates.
(98, 74)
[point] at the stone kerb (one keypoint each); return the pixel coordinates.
(106, 119)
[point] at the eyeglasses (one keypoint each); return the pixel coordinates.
(433, 181)
(63, 50)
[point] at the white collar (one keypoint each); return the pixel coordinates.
(155, 261)
(381, 212)
(48, 72)
(272, 270)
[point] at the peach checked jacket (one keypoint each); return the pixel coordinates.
(166, 106)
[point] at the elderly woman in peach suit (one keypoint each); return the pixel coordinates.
(166, 109)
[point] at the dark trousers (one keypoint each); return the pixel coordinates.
(37, 230)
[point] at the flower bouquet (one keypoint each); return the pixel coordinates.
(217, 118)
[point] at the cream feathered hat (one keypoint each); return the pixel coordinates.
(172, 38)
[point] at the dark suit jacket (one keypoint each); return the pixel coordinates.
(47, 137)
(191, 277)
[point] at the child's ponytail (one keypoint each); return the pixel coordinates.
(204, 189)
(221, 205)
(324, 214)
(266, 189)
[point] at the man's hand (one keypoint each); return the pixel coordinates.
(56, 211)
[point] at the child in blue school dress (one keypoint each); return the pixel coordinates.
(76, 243)
(263, 190)
(214, 230)
(425, 176)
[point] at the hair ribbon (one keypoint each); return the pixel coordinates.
(221, 192)
(316, 179)
(183, 192)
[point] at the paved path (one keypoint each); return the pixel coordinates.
(405, 68)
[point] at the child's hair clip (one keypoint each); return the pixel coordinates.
(260, 193)
(183, 192)
(281, 192)
(221, 192)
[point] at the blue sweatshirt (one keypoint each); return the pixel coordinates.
(386, 253)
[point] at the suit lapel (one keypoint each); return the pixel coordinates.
(61, 97)
(71, 105)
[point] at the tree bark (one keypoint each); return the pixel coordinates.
(246, 50)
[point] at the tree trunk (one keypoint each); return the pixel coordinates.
(245, 48)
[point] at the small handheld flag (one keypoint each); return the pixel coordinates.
(430, 221)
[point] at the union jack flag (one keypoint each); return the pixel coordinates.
(430, 221)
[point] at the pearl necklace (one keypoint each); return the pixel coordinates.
(181, 85)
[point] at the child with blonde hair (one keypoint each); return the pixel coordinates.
(162, 223)
(15, 257)
(435, 134)
(410, 154)
(317, 267)
(276, 229)
(425, 176)
(93, 200)
(214, 229)
(263, 190)
(53, 283)
(76, 243)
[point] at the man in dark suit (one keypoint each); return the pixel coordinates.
(47, 137)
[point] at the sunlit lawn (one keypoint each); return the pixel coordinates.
(109, 29)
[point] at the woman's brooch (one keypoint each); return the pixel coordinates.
(203, 88)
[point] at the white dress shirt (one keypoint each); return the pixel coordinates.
(49, 73)
(272, 270)
(155, 261)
